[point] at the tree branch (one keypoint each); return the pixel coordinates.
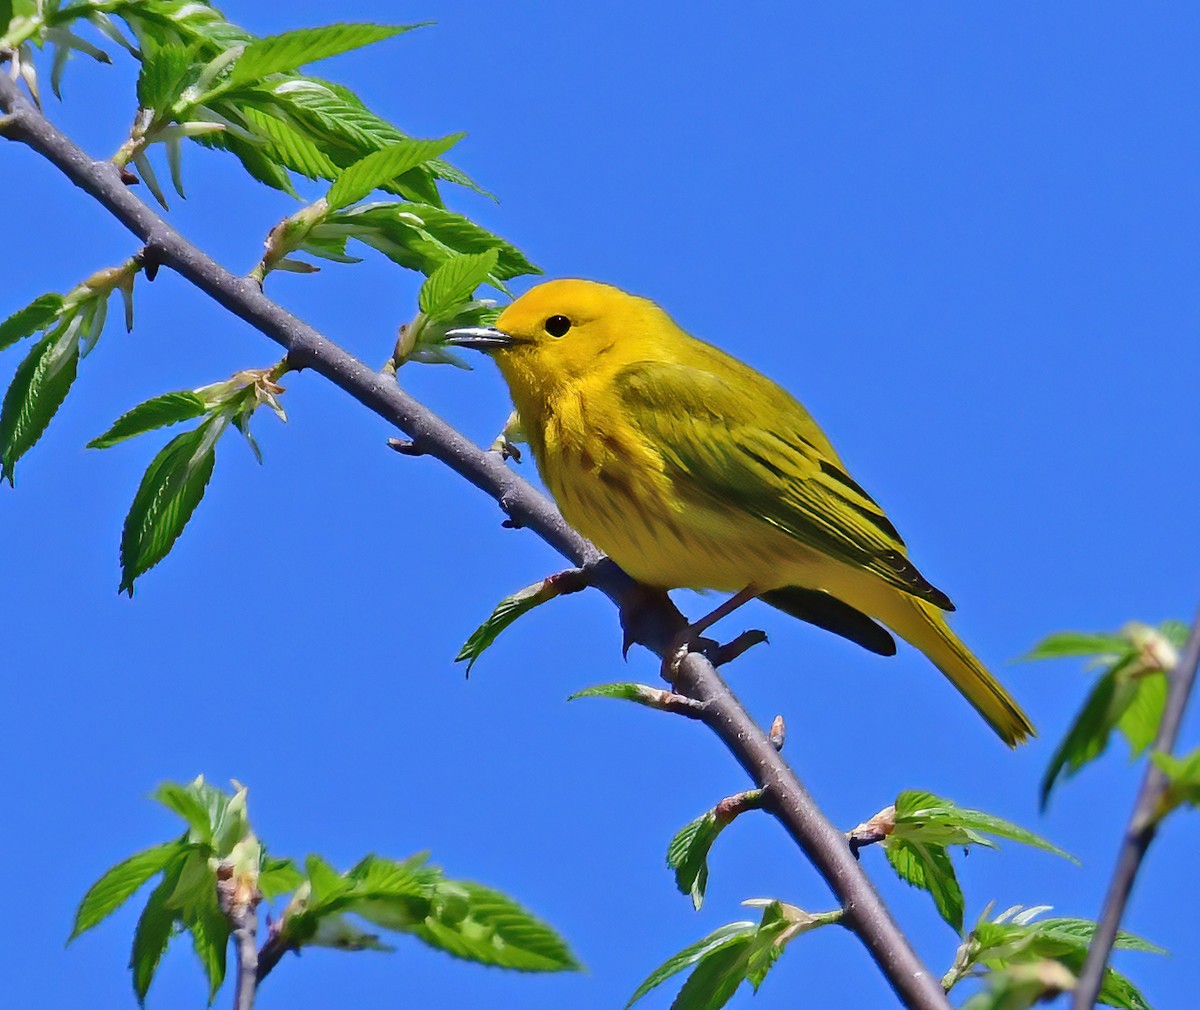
(240, 907)
(1143, 826)
(865, 914)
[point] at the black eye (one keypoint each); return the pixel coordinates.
(557, 326)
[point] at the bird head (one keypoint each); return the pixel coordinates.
(565, 329)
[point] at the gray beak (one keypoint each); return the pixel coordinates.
(480, 338)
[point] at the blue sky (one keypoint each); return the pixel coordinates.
(965, 236)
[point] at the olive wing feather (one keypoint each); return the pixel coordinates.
(759, 451)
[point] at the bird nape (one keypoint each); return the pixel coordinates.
(692, 470)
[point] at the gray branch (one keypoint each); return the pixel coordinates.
(865, 914)
(1143, 826)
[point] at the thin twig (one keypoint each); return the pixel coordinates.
(240, 908)
(865, 914)
(1143, 826)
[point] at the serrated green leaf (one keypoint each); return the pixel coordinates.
(507, 611)
(929, 868)
(687, 855)
(166, 71)
(384, 166)
(212, 816)
(476, 923)
(338, 121)
(157, 412)
(37, 390)
(1175, 632)
(289, 146)
(932, 819)
(171, 488)
(255, 158)
(455, 281)
(119, 883)
(154, 929)
(34, 317)
(734, 933)
(1078, 643)
(422, 237)
(1183, 775)
(278, 876)
(624, 690)
(210, 932)
(1140, 721)
(1001, 945)
(289, 51)
(715, 979)
(1088, 736)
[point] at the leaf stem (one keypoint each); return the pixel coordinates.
(1143, 825)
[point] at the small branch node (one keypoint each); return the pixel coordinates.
(719, 655)
(778, 733)
(405, 446)
(873, 830)
(736, 805)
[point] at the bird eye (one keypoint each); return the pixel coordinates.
(557, 326)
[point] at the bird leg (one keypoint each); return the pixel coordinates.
(689, 637)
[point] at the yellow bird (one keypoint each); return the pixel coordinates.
(692, 470)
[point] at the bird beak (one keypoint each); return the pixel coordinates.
(480, 338)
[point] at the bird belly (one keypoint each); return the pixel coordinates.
(664, 540)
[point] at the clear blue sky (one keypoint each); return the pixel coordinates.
(966, 236)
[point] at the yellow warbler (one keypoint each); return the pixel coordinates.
(692, 470)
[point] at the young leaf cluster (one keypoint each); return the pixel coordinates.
(921, 829)
(1016, 946)
(736, 953)
(69, 326)
(1128, 697)
(219, 848)
(206, 79)
(176, 479)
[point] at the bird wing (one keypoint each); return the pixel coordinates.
(758, 450)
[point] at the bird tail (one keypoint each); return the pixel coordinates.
(924, 627)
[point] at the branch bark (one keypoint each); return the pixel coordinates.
(865, 914)
(1143, 826)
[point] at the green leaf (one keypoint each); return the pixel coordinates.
(1077, 643)
(507, 611)
(1183, 774)
(929, 868)
(34, 317)
(38, 389)
(421, 237)
(1088, 736)
(210, 932)
(153, 932)
(1000, 945)
(158, 412)
(169, 492)
(115, 887)
(715, 979)
(279, 54)
(215, 819)
(733, 934)
(455, 281)
(384, 166)
(688, 852)
(476, 923)
(624, 690)
(928, 818)
(1140, 721)
(166, 71)
(278, 876)
(288, 146)
(741, 951)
